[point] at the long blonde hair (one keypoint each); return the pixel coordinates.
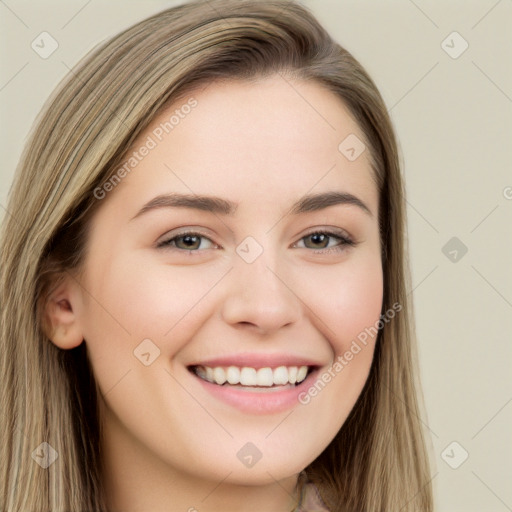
(378, 461)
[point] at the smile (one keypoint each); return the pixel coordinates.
(252, 377)
(267, 387)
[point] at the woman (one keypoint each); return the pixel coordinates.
(175, 333)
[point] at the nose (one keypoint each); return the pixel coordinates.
(259, 297)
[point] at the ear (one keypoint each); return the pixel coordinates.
(62, 325)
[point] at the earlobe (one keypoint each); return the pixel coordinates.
(62, 324)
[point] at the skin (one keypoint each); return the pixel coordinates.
(169, 445)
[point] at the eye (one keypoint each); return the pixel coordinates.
(189, 241)
(321, 239)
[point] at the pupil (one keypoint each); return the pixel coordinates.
(189, 239)
(317, 236)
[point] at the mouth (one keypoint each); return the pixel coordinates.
(250, 378)
(254, 383)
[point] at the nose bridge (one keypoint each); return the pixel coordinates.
(258, 292)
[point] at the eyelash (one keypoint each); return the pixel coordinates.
(345, 240)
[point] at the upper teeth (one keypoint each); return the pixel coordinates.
(251, 377)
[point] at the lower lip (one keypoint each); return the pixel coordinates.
(253, 401)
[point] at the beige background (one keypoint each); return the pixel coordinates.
(454, 122)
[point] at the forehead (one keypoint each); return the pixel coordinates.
(275, 135)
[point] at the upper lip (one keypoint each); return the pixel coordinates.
(257, 360)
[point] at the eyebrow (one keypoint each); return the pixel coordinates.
(308, 203)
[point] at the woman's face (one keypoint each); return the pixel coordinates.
(256, 286)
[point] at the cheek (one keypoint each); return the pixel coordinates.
(359, 304)
(348, 308)
(131, 300)
(346, 298)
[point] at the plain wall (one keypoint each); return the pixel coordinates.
(453, 118)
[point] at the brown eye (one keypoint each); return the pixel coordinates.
(190, 241)
(320, 240)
